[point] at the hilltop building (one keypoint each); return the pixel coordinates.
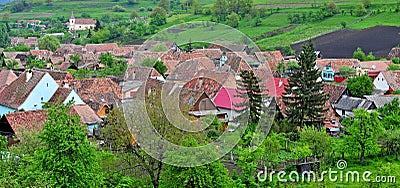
(80, 24)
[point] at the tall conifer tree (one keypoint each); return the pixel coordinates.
(304, 98)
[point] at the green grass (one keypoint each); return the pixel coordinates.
(389, 19)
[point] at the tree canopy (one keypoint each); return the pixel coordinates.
(360, 86)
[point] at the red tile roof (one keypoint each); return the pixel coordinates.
(88, 116)
(276, 86)
(60, 94)
(334, 91)
(97, 92)
(228, 98)
(95, 48)
(209, 85)
(32, 119)
(45, 54)
(85, 21)
(377, 66)
(16, 93)
(337, 63)
(212, 53)
(6, 77)
(393, 79)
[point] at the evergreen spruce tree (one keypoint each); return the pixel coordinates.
(304, 98)
(250, 90)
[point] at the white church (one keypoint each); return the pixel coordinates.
(80, 24)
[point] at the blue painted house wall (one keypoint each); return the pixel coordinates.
(73, 95)
(5, 110)
(43, 91)
(328, 74)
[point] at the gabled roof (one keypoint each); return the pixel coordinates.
(377, 66)
(393, 79)
(228, 98)
(123, 51)
(271, 58)
(108, 47)
(140, 73)
(58, 75)
(88, 116)
(85, 21)
(381, 100)
(334, 91)
(186, 70)
(97, 92)
(6, 77)
(32, 119)
(60, 94)
(209, 85)
(236, 64)
(16, 93)
(42, 53)
(212, 53)
(276, 86)
(337, 63)
(350, 103)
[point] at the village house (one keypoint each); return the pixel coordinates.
(381, 100)
(74, 24)
(346, 105)
(6, 78)
(388, 81)
(30, 41)
(134, 77)
(27, 92)
(394, 53)
(101, 94)
(101, 48)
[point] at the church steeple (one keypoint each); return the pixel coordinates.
(72, 15)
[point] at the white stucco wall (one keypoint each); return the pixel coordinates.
(43, 91)
(380, 82)
(73, 95)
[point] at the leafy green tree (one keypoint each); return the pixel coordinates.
(165, 4)
(280, 68)
(346, 71)
(304, 98)
(75, 60)
(364, 130)
(370, 57)
(50, 43)
(220, 10)
(4, 38)
(160, 47)
(67, 155)
(134, 14)
(6, 16)
(332, 8)
(209, 175)
(343, 24)
(359, 54)
(160, 67)
(11, 64)
(317, 141)
(393, 67)
(118, 8)
(360, 85)
(366, 3)
(390, 114)
(233, 20)
(100, 36)
(158, 16)
(360, 10)
(391, 138)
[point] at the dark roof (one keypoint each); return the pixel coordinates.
(381, 100)
(350, 103)
(16, 93)
(58, 75)
(334, 91)
(236, 64)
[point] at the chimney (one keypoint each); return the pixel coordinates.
(29, 75)
(280, 83)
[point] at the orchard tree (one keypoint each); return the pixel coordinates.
(165, 4)
(317, 141)
(391, 138)
(134, 14)
(390, 114)
(6, 16)
(66, 154)
(304, 97)
(220, 10)
(233, 20)
(359, 54)
(363, 132)
(360, 85)
(50, 43)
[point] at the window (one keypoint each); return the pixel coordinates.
(41, 98)
(343, 112)
(47, 84)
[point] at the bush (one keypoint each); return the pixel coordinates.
(149, 9)
(393, 67)
(359, 54)
(118, 8)
(371, 57)
(141, 9)
(396, 60)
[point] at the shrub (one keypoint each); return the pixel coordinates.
(141, 9)
(359, 54)
(118, 8)
(396, 60)
(149, 9)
